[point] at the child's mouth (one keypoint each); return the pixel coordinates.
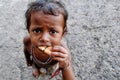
(45, 49)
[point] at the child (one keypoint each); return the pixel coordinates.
(46, 24)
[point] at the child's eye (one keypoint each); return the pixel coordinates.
(53, 31)
(37, 30)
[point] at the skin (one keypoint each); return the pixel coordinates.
(47, 30)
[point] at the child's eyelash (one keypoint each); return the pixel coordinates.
(37, 30)
(53, 31)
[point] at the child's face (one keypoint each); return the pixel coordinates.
(46, 29)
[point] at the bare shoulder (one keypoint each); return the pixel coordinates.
(64, 44)
(26, 40)
(27, 50)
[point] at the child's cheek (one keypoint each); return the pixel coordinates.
(34, 41)
(56, 41)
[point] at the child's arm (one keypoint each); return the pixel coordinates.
(26, 42)
(62, 55)
(67, 74)
(27, 57)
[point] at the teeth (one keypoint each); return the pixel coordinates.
(45, 49)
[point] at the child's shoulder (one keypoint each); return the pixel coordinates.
(26, 40)
(64, 43)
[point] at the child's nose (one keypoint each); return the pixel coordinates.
(45, 37)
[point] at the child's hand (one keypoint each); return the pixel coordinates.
(62, 55)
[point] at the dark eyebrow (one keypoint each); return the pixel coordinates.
(36, 27)
(53, 28)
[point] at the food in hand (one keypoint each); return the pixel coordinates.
(45, 49)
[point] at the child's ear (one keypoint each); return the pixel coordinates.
(64, 33)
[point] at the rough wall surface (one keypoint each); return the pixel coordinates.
(93, 38)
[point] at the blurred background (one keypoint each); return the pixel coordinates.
(93, 38)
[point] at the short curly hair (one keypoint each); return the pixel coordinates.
(47, 7)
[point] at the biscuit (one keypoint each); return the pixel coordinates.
(45, 49)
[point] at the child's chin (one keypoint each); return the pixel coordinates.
(45, 55)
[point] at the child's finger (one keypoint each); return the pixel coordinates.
(62, 61)
(58, 54)
(59, 59)
(60, 49)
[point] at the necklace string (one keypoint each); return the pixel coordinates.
(38, 62)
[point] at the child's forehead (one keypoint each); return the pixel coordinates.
(39, 16)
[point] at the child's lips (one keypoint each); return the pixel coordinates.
(44, 44)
